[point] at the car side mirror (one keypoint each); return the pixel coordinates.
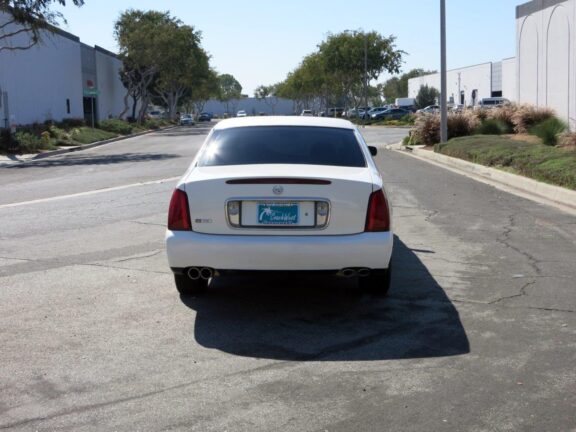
(373, 150)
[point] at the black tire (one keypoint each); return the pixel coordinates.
(187, 286)
(377, 283)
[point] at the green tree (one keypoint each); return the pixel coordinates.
(268, 95)
(426, 96)
(207, 88)
(397, 87)
(229, 89)
(28, 17)
(183, 66)
(354, 58)
(162, 58)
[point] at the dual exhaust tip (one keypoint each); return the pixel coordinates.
(206, 273)
(196, 273)
(353, 272)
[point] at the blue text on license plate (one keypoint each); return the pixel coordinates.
(278, 213)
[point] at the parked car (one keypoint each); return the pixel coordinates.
(155, 115)
(281, 194)
(357, 113)
(307, 113)
(335, 112)
(377, 110)
(205, 116)
(390, 114)
(241, 113)
(430, 109)
(186, 120)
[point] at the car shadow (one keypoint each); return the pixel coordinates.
(328, 319)
(90, 159)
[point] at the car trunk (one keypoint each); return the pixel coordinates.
(278, 199)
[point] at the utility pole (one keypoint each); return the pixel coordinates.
(443, 92)
(365, 79)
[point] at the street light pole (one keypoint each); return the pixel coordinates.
(443, 90)
(365, 81)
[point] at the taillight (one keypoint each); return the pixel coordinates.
(378, 216)
(179, 213)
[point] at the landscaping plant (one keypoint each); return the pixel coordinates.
(549, 130)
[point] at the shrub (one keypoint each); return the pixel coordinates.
(427, 129)
(7, 143)
(492, 127)
(481, 114)
(71, 123)
(152, 124)
(567, 140)
(505, 115)
(462, 124)
(116, 126)
(63, 137)
(30, 143)
(527, 116)
(548, 130)
(408, 119)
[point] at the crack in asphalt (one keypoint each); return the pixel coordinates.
(505, 240)
(139, 256)
(148, 223)
(121, 268)
(521, 293)
(538, 308)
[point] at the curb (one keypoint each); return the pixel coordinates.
(82, 147)
(557, 196)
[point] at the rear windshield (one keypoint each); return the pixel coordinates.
(283, 145)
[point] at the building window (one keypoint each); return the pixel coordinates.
(68, 106)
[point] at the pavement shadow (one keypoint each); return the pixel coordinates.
(327, 319)
(72, 159)
(185, 131)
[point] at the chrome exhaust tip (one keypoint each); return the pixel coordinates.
(347, 273)
(206, 273)
(364, 272)
(193, 273)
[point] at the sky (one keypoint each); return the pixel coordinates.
(260, 42)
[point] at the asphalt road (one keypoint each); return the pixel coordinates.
(478, 333)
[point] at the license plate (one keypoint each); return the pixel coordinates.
(278, 213)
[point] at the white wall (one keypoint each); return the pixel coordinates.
(467, 79)
(112, 92)
(546, 60)
(39, 80)
(509, 79)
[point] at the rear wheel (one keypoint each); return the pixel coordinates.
(187, 286)
(377, 283)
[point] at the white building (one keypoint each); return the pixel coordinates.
(543, 73)
(545, 46)
(468, 85)
(58, 78)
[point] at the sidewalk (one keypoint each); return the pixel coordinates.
(543, 193)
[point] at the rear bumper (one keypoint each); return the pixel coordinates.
(278, 253)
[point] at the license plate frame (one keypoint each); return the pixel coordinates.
(278, 213)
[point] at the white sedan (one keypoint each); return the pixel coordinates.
(281, 194)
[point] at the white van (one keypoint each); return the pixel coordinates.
(492, 102)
